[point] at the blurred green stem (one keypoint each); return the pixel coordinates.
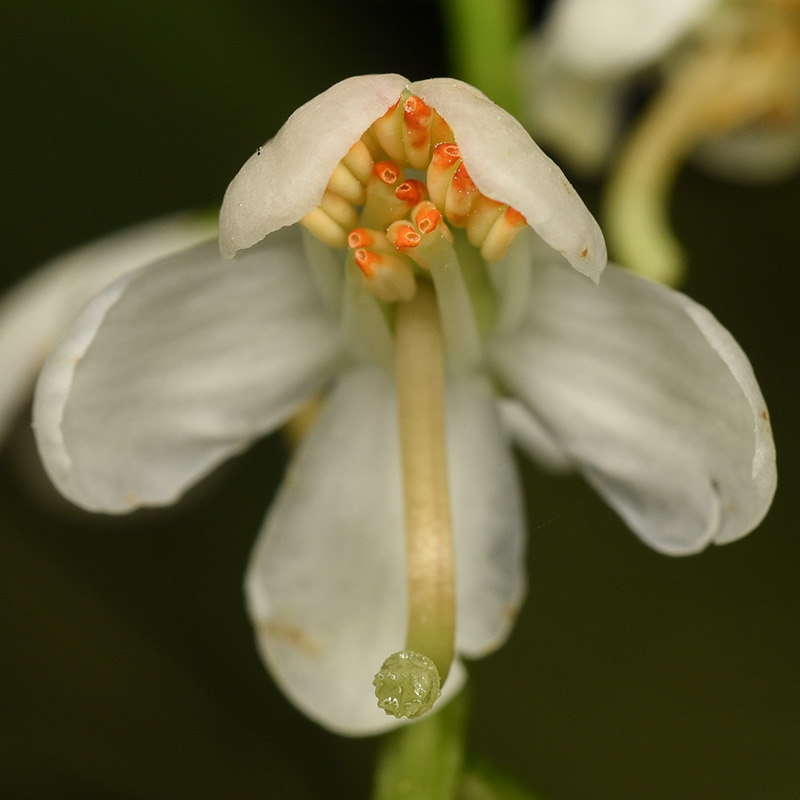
(482, 36)
(423, 760)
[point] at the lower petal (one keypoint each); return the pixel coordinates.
(326, 585)
(652, 399)
(326, 582)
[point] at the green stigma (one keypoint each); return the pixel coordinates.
(407, 685)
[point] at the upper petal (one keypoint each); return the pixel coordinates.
(654, 401)
(326, 582)
(615, 37)
(283, 180)
(508, 166)
(37, 311)
(177, 366)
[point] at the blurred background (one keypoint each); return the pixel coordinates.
(127, 666)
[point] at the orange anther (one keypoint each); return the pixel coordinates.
(386, 171)
(360, 237)
(403, 236)
(411, 191)
(366, 261)
(445, 154)
(513, 217)
(417, 117)
(427, 217)
(462, 181)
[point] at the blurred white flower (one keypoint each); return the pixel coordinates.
(727, 78)
(448, 319)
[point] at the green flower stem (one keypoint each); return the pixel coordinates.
(482, 37)
(423, 761)
(481, 782)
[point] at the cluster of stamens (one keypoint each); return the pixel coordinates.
(391, 199)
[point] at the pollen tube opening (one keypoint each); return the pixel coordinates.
(430, 558)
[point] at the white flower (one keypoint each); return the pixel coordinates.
(466, 331)
(729, 94)
(36, 311)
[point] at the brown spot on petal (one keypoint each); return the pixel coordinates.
(584, 252)
(292, 635)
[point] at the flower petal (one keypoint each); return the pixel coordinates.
(652, 398)
(508, 166)
(488, 519)
(177, 366)
(615, 37)
(326, 584)
(528, 433)
(285, 178)
(37, 311)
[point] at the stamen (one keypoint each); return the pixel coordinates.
(502, 233)
(408, 238)
(359, 161)
(441, 170)
(345, 184)
(427, 218)
(327, 230)
(411, 192)
(433, 250)
(417, 118)
(430, 561)
(460, 197)
(484, 214)
(388, 131)
(388, 276)
(403, 236)
(383, 206)
(440, 130)
(338, 209)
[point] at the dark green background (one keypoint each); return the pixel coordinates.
(127, 668)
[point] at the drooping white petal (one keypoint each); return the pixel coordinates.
(326, 584)
(177, 366)
(616, 37)
(528, 433)
(508, 166)
(283, 180)
(488, 519)
(652, 398)
(37, 311)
